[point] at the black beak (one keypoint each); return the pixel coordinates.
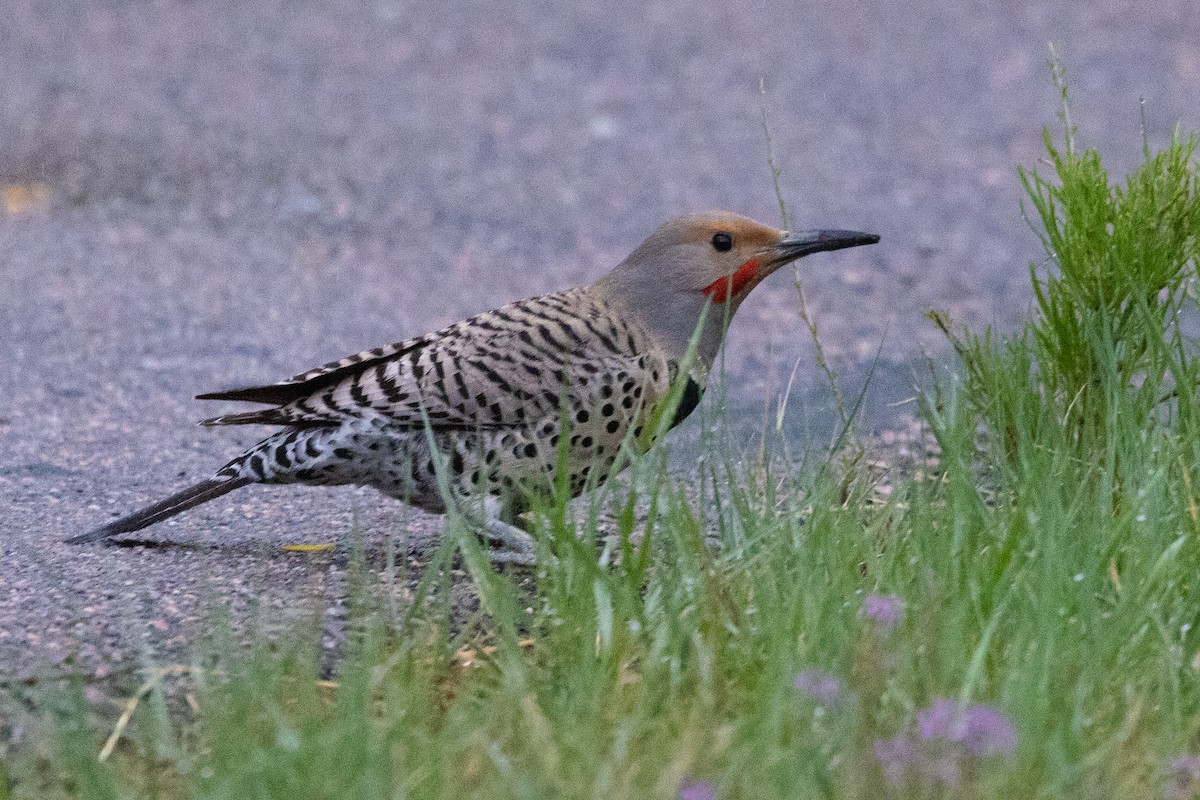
(802, 243)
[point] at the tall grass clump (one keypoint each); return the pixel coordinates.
(1106, 354)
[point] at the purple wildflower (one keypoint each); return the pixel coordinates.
(981, 730)
(696, 790)
(823, 688)
(939, 721)
(1183, 778)
(948, 739)
(885, 610)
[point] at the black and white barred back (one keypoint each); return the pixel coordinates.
(498, 392)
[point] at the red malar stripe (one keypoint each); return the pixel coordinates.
(719, 290)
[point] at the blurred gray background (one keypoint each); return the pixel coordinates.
(200, 194)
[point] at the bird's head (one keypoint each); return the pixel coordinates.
(714, 258)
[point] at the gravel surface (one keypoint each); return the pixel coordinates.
(201, 194)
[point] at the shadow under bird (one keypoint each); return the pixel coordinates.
(501, 403)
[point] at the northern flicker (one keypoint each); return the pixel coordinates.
(572, 380)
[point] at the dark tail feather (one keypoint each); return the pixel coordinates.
(181, 501)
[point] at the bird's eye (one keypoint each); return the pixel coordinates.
(722, 242)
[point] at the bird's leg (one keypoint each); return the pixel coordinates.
(509, 543)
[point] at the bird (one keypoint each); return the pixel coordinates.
(489, 413)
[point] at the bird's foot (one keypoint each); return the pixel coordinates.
(510, 544)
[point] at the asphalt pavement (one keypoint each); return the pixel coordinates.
(196, 195)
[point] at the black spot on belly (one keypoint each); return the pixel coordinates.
(687, 404)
